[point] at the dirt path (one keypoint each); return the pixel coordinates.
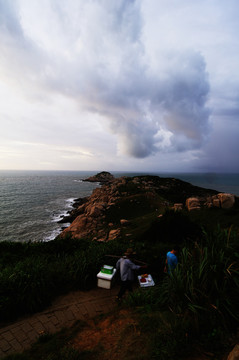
(65, 310)
(80, 305)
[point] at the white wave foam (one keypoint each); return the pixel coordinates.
(58, 217)
(52, 235)
(62, 213)
(70, 202)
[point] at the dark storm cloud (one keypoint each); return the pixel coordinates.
(140, 106)
(221, 152)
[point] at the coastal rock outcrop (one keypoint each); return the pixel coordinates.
(108, 212)
(92, 219)
(221, 200)
(102, 177)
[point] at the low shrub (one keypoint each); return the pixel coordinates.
(205, 285)
(199, 298)
(173, 227)
(35, 273)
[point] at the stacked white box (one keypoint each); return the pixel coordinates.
(105, 280)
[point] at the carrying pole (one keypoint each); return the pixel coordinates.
(134, 260)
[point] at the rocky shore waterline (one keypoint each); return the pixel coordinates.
(90, 216)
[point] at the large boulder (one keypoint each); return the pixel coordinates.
(113, 234)
(227, 201)
(78, 225)
(234, 354)
(193, 203)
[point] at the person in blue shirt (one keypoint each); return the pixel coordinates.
(171, 260)
(126, 268)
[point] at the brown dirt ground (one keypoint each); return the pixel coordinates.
(117, 337)
(105, 338)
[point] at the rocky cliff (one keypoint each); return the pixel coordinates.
(114, 206)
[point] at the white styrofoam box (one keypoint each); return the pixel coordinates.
(105, 280)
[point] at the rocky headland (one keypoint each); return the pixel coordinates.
(114, 206)
(102, 178)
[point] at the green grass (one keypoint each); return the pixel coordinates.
(211, 218)
(173, 227)
(32, 275)
(134, 206)
(198, 302)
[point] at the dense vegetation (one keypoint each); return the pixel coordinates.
(32, 274)
(197, 303)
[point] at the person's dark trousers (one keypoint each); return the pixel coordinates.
(125, 285)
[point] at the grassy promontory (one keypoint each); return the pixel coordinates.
(197, 304)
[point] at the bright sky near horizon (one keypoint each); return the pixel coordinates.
(119, 85)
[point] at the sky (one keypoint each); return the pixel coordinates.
(119, 85)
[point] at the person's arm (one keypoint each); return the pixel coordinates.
(165, 267)
(118, 265)
(132, 265)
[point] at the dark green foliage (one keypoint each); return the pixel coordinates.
(133, 207)
(198, 302)
(170, 340)
(129, 188)
(209, 219)
(22, 286)
(33, 274)
(173, 227)
(201, 295)
(175, 190)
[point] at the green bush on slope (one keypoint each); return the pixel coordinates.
(35, 273)
(199, 300)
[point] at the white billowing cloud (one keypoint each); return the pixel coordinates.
(97, 57)
(147, 74)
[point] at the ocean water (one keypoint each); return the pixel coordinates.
(32, 202)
